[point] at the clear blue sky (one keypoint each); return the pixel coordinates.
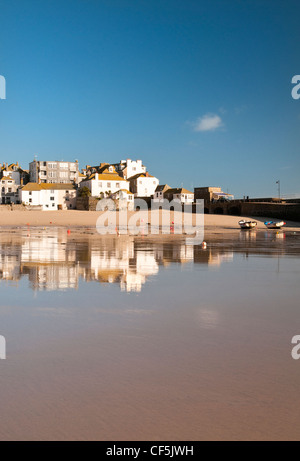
(199, 90)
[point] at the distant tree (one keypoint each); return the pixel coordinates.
(84, 192)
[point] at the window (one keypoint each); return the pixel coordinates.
(109, 184)
(52, 174)
(44, 163)
(3, 189)
(100, 184)
(51, 191)
(9, 189)
(53, 204)
(133, 168)
(3, 182)
(140, 182)
(51, 198)
(30, 193)
(9, 182)
(129, 197)
(67, 191)
(30, 200)
(63, 174)
(117, 184)
(43, 173)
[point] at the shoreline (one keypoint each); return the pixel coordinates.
(83, 220)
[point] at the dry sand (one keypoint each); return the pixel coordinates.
(76, 218)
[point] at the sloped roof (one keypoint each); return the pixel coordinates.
(162, 188)
(141, 175)
(33, 186)
(124, 190)
(179, 190)
(5, 178)
(105, 177)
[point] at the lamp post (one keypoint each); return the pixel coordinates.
(278, 183)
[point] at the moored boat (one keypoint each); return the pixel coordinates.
(274, 224)
(247, 224)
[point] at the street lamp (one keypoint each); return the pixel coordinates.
(278, 182)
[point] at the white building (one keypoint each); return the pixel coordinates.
(143, 185)
(128, 168)
(181, 194)
(124, 198)
(104, 184)
(9, 190)
(49, 196)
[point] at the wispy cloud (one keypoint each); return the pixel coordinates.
(208, 122)
(240, 109)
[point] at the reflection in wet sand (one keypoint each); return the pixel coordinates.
(54, 262)
(143, 339)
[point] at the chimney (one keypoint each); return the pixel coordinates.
(147, 174)
(96, 176)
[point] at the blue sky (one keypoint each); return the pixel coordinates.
(199, 90)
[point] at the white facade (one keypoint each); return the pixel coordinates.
(184, 198)
(143, 185)
(181, 194)
(49, 199)
(124, 198)
(130, 167)
(104, 184)
(9, 190)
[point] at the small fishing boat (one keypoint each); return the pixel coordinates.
(247, 224)
(274, 225)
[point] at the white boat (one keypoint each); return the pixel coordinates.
(274, 225)
(247, 224)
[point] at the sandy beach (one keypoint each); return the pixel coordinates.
(76, 218)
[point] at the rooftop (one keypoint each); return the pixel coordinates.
(33, 186)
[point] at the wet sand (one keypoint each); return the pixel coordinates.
(202, 353)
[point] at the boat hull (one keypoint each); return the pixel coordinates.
(247, 224)
(274, 225)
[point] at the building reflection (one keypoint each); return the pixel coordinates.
(53, 260)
